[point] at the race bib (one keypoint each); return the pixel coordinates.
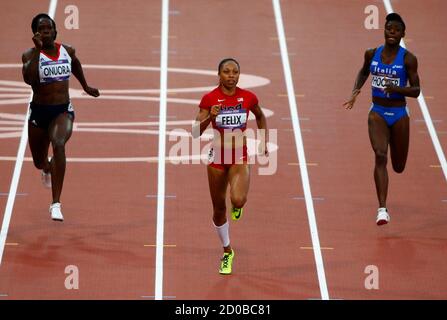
(233, 119)
(51, 71)
(381, 81)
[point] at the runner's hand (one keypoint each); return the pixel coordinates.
(350, 103)
(91, 91)
(37, 39)
(214, 111)
(390, 88)
(262, 149)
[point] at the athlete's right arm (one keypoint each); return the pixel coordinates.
(203, 119)
(30, 60)
(362, 76)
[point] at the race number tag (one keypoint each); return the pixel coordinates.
(233, 119)
(381, 81)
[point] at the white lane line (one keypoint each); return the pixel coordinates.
(13, 95)
(18, 167)
(433, 120)
(162, 150)
(425, 112)
(300, 152)
(314, 198)
(173, 159)
(52, 8)
(17, 194)
(133, 124)
(13, 188)
(168, 196)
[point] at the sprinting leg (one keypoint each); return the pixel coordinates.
(379, 135)
(218, 182)
(39, 142)
(59, 132)
(399, 143)
(239, 179)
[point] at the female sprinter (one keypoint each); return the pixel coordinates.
(227, 108)
(47, 68)
(391, 67)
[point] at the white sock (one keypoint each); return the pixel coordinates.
(223, 233)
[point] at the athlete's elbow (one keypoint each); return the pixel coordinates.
(196, 132)
(26, 77)
(417, 92)
(261, 119)
(196, 135)
(28, 80)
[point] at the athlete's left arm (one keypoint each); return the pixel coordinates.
(76, 69)
(261, 121)
(411, 64)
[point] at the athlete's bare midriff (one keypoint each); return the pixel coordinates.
(51, 94)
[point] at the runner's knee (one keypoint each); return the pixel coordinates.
(238, 201)
(381, 158)
(398, 167)
(39, 164)
(58, 146)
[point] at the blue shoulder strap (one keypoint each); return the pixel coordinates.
(401, 55)
(378, 53)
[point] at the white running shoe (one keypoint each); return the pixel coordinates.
(46, 179)
(55, 210)
(382, 216)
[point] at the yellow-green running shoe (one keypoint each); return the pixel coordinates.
(226, 262)
(236, 213)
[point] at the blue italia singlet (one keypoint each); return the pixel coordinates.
(383, 73)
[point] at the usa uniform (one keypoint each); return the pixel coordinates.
(232, 118)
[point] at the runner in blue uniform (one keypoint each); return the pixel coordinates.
(391, 67)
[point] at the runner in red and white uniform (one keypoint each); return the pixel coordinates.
(227, 107)
(47, 68)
